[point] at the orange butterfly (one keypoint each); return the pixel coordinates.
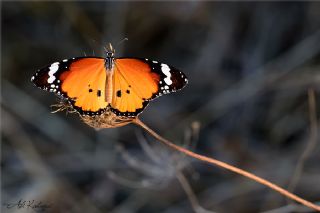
(94, 85)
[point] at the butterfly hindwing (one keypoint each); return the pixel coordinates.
(79, 80)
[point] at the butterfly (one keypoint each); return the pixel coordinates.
(94, 85)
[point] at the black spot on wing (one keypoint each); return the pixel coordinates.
(99, 93)
(119, 93)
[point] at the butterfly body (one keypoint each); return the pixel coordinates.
(109, 64)
(95, 86)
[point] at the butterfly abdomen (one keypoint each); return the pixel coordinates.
(109, 87)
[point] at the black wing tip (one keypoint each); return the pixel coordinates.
(40, 78)
(179, 79)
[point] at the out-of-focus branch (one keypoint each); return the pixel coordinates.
(191, 196)
(312, 141)
(221, 164)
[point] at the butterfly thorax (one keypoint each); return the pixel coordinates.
(109, 61)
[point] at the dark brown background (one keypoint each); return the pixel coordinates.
(249, 67)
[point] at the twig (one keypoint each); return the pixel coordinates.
(312, 141)
(218, 163)
(192, 197)
(289, 208)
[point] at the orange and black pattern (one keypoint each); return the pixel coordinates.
(82, 82)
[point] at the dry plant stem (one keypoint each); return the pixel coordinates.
(192, 197)
(312, 141)
(186, 187)
(218, 163)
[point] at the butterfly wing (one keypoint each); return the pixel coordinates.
(79, 80)
(137, 81)
(82, 82)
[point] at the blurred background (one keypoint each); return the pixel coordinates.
(250, 66)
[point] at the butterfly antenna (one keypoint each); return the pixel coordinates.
(120, 42)
(105, 49)
(123, 40)
(110, 49)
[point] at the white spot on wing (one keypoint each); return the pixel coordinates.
(166, 71)
(52, 70)
(65, 60)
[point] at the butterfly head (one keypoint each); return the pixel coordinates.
(110, 51)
